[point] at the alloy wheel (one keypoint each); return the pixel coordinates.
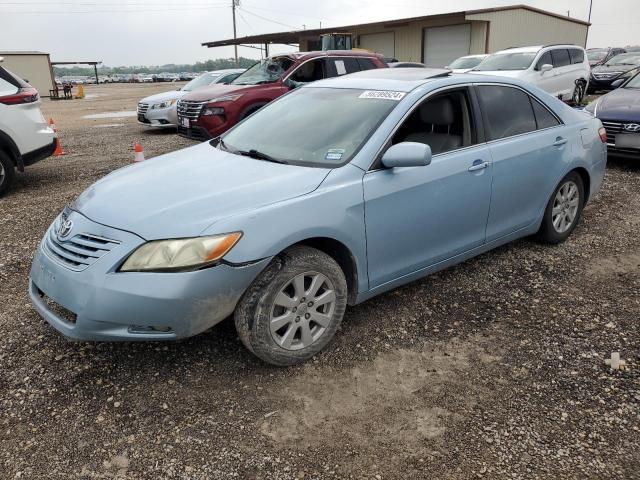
(565, 207)
(578, 94)
(302, 310)
(2, 173)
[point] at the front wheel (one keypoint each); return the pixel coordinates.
(294, 307)
(563, 210)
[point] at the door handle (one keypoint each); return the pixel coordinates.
(560, 141)
(478, 166)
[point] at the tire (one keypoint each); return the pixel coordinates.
(7, 172)
(563, 210)
(578, 93)
(279, 294)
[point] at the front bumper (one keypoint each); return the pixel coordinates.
(106, 305)
(159, 118)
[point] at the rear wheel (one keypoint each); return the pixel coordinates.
(294, 307)
(563, 210)
(7, 172)
(578, 93)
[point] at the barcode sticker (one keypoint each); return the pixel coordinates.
(383, 95)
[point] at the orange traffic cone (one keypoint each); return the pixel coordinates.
(138, 153)
(58, 152)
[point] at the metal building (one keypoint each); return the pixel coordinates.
(436, 40)
(34, 67)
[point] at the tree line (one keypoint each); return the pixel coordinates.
(209, 65)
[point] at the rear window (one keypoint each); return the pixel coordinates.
(11, 79)
(366, 64)
(507, 110)
(560, 58)
(577, 56)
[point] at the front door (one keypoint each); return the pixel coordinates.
(418, 216)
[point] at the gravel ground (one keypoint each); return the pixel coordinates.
(494, 368)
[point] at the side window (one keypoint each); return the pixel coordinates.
(560, 58)
(545, 59)
(345, 65)
(444, 122)
(310, 71)
(507, 110)
(544, 118)
(7, 88)
(577, 56)
(366, 64)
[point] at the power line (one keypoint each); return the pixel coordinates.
(267, 19)
(73, 12)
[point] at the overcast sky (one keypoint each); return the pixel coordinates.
(156, 32)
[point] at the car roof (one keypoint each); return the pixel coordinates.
(330, 53)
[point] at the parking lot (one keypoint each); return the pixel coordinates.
(494, 368)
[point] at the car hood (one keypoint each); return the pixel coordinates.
(182, 193)
(219, 89)
(163, 97)
(501, 73)
(613, 68)
(621, 105)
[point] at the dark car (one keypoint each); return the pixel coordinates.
(619, 112)
(604, 75)
(213, 110)
(600, 56)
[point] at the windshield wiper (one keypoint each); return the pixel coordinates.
(253, 153)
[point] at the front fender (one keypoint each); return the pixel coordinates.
(334, 210)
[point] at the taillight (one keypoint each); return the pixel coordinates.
(603, 134)
(23, 95)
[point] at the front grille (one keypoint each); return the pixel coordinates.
(612, 128)
(142, 108)
(195, 133)
(79, 251)
(189, 109)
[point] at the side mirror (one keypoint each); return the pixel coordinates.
(545, 68)
(618, 82)
(407, 154)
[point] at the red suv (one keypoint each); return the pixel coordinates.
(211, 111)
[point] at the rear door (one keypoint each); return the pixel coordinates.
(563, 73)
(529, 147)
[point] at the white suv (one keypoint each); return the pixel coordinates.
(25, 136)
(561, 70)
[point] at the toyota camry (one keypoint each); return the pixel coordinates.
(332, 194)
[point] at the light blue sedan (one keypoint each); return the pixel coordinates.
(334, 193)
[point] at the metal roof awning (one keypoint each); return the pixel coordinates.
(94, 63)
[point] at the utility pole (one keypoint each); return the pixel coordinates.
(234, 4)
(587, 36)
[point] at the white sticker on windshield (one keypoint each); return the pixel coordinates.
(334, 154)
(383, 95)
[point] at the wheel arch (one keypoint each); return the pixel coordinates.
(10, 148)
(342, 255)
(586, 181)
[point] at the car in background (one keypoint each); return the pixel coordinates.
(600, 56)
(25, 136)
(146, 78)
(333, 194)
(604, 75)
(160, 110)
(561, 70)
(466, 63)
(619, 112)
(208, 112)
(406, 65)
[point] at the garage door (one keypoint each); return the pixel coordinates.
(442, 45)
(383, 43)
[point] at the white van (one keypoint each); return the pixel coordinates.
(561, 70)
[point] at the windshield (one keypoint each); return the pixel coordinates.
(506, 61)
(465, 62)
(625, 59)
(322, 127)
(634, 82)
(265, 71)
(596, 55)
(201, 81)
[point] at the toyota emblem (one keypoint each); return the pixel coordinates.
(632, 127)
(65, 228)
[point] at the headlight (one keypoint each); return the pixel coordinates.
(166, 104)
(226, 98)
(213, 111)
(180, 255)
